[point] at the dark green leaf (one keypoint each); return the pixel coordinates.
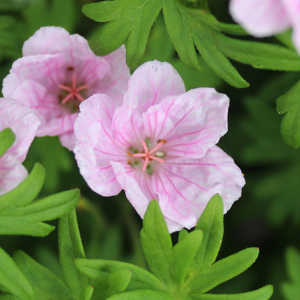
(13, 280)
(262, 294)
(70, 248)
(143, 295)
(289, 105)
(156, 242)
(99, 269)
(259, 55)
(129, 22)
(182, 256)
(45, 284)
(7, 137)
(112, 284)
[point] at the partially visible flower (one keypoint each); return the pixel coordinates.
(263, 18)
(160, 144)
(19, 118)
(58, 72)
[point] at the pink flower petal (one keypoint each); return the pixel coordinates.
(96, 146)
(115, 82)
(148, 85)
(68, 140)
(186, 185)
(260, 17)
(190, 123)
(15, 115)
(45, 69)
(293, 11)
(12, 173)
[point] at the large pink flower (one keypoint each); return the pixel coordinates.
(19, 118)
(58, 71)
(159, 144)
(264, 18)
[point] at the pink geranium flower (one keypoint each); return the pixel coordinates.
(19, 118)
(58, 72)
(159, 144)
(264, 18)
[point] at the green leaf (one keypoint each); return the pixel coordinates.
(223, 270)
(259, 55)
(129, 22)
(211, 224)
(99, 269)
(232, 29)
(7, 138)
(112, 284)
(182, 256)
(262, 294)
(289, 105)
(156, 242)
(25, 192)
(182, 234)
(143, 295)
(45, 284)
(12, 278)
(87, 293)
(18, 216)
(291, 290)
(70, 248)
(185, 28)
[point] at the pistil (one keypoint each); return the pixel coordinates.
(148, 154)
(73, 91)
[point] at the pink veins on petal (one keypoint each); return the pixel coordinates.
(73, 91)
(147, 155)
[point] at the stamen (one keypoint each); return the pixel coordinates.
(147, 155)
(73, 91)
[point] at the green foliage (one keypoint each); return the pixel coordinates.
(291, 289)
(70, 247)
(7, 138)
(55, 159)
(289, 105)
(19, 216)
(185, 271)
(12, 280)
(130, 21)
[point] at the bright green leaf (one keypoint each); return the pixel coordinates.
(182, 234)
(185, 28)
(25, 192)
(143, 295)
(45, 284)
(232, 29)
(156, 242)
(7, 137)
(129, 22)
(223, 270)
(289, 105)
(70, 248)
(12, 278)
(259, 55)
(262, 294)
(182, 256)
(211, 224)
(112, 284)
(86, 293)
(99, 269)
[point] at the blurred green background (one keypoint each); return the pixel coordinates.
(267, 215)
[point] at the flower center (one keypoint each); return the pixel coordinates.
(73, 90)
(149, 155)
